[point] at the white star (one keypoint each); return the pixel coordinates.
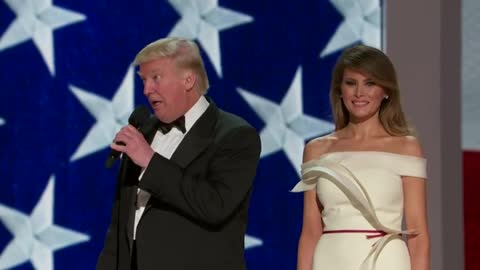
(251, 242)
(203, 20)
(361, 23)
(2, 121)
(37, 19)
(110, 115)
(287, 127)
(35, 236)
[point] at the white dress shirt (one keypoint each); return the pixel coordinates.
(165, 145)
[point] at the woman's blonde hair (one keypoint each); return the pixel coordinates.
(375, 64)
(185, 53)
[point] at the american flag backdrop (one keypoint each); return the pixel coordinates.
(67, 86)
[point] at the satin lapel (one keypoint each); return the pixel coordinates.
(130, 173)
(131, 194)
(198, 138)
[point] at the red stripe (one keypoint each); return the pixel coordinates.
(471, 200)
(373, 233)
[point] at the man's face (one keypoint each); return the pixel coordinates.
(164, 85)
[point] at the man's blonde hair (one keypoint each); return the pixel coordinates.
(185, 54)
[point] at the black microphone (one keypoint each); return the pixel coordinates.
(138, 118)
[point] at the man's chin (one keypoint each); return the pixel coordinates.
(163, 118)
(159, 116)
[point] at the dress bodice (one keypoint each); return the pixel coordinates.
(378, 173)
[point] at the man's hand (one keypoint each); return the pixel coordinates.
(136, 147)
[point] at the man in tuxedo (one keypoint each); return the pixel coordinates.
(183, 188)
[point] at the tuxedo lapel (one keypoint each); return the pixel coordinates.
(131, 194)
(198, 137)
(130, 173)
(149, 129)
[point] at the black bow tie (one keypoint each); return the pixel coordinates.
(179, 124)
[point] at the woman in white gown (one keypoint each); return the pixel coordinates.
(361, 180)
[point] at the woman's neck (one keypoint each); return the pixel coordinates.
(360, 130)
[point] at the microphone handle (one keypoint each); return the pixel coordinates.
(114, 155)
(144, 129)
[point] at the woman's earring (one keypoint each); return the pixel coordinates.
(386, 97)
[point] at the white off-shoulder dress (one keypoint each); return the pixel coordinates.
(362, 197)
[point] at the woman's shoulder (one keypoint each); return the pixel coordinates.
(325, 141)
(408, 145)
(319, 146)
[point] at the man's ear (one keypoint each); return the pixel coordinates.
(189, 80)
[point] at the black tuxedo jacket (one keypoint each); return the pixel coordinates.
(197, 213)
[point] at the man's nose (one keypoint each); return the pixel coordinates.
(147, 87)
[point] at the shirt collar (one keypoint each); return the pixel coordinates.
(192, 115)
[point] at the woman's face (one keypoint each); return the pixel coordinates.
(360, 95)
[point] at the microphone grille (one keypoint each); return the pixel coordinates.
(139, 116)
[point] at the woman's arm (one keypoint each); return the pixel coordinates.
(415, 207)
(311, 230)
(416, 219)
(312, 226)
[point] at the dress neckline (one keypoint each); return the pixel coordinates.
(367, 152)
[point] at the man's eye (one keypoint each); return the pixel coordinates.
(370, 83)
(156, 77)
